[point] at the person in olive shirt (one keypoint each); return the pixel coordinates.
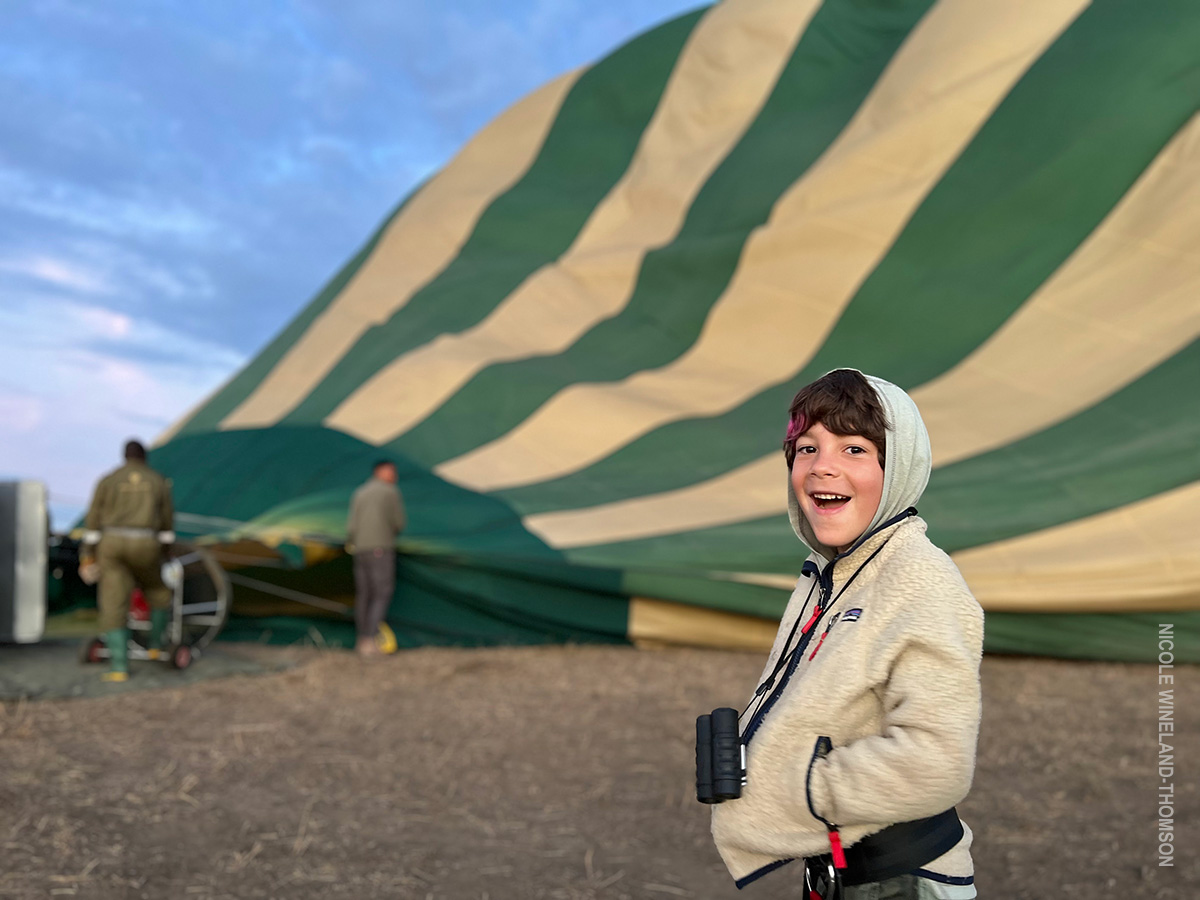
(376, 520)
(129, 521)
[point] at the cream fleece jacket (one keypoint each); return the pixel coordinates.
(890, 676)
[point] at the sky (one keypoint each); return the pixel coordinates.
(177, 179)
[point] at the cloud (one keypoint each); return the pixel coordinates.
(177, 178)
(134, 362)
(57, 272)
(78, 379)
(21, 412)
(138, 214)
(104, 269)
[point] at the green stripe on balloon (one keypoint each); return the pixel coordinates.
(1131, 637)
(759, 545)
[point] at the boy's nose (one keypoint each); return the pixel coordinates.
(825, 465)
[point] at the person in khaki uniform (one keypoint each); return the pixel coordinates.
(129, 521)
(376, 520)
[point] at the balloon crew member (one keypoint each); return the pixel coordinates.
(860, 738)
(129, 523)
(375, 522)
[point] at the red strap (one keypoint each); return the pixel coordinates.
(835, 846)
(816, 615)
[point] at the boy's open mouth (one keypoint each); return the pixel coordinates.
(829, 501)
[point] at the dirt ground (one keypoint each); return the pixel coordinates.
(48, 670)
(563, 772)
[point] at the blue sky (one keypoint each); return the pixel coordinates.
(177, 179)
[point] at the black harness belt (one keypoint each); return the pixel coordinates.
(901, 848)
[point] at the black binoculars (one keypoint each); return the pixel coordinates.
(720, 757)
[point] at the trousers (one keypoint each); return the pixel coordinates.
(374, 583)
(125, 563)
(902, 887)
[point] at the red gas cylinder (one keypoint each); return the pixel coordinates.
(138, 610)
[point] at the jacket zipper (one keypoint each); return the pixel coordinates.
(822, 599)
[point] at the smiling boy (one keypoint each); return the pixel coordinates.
(861, 737)
(837, 480)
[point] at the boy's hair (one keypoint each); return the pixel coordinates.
(845, 403)
(135, 450)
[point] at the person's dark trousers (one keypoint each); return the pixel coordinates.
(902, 887)
(374, 582)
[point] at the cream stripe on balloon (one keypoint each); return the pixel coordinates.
(800, 270)
(654, 622)
(1123, 303)
(422, 240)
(1149, 550)
(732, 497)
(702, 114)
(1127, 295)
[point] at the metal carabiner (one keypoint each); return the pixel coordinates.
(830, 880)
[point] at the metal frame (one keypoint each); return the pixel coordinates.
(192, 625)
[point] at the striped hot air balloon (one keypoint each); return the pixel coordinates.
(579, 339)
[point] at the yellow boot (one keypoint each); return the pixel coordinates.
(386, 639)
(117, 641)
(159, 618)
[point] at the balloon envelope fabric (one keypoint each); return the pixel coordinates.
(578, 340)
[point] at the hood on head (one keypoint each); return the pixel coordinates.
(908, 460)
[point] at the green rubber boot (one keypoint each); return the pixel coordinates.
(158, 625)
(117, 641)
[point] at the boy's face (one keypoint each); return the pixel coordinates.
(838, 482)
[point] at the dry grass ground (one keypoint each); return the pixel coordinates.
(561, 772)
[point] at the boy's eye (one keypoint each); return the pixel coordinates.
(856, 449)
(805, 448)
